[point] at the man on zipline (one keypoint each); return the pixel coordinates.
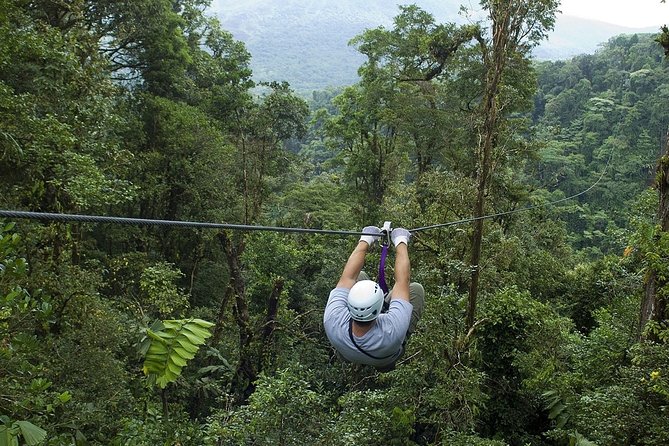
(354, 321)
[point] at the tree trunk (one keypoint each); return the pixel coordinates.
(494, 69)
(649, 305)
(163, 399)
(246, 373)
(272, 310)
(477, 238)
(266, 355)
(474, 261)
(218, 329)
(654, 306)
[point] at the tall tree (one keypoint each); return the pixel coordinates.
(260, 132)
(654, 303)
(366, 143)
(64, 154)
(515, 27)
(400, 107)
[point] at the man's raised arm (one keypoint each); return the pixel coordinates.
(400, 238)
(356, 260)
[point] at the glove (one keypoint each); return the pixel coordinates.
(370, 239)
(400, 235)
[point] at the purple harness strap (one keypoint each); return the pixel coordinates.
(382, 269)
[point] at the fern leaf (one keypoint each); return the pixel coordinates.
(197, 330)
(172, 347)
(178, 360)
(186, 345)
(194, 339)
(184, 353)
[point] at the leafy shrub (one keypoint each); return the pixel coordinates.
(283, 410)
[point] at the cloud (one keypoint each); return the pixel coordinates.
(633, 14)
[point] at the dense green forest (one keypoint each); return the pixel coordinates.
(545, 324)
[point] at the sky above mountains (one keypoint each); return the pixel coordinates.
(631, 14)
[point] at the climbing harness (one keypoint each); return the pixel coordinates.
(385, 236)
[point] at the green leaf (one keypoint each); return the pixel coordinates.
(172, 372)
(157, 326)
(194, 339)
(161, 335)
(184, 353)
(7, 437)
(172, 347)
(32, 434)
(154, 366)
(200, 332)
(156, 336)
(202, 323)
(160, 356)
(579, 440)
(187, 345)
(80, 439)
(178, 361)
(173, 324)
(157, 348)
(556, 410)
(65, 397)
(225, 366)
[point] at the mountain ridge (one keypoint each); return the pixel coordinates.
(306, 43)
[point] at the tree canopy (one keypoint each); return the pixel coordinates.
(546, 316)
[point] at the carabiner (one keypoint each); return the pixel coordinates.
(386, 233)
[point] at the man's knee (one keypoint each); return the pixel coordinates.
(417, 296)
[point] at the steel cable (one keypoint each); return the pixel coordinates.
(50, 216)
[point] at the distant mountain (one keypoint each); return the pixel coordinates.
(305, 42)
(573, 36)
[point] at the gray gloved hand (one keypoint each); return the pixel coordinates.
(370, 239)
(400, 235)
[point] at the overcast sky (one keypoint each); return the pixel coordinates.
(630, 13)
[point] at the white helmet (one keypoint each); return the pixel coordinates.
(365, 300)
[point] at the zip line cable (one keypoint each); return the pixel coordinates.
(49, 216)
(150, 222)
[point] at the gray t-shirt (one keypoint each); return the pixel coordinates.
(383, 340)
